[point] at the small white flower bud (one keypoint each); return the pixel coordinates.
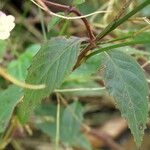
(6, 25)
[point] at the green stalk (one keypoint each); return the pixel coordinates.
(64, 27)
(42, 24)
(116, 22)
(115, 40)
(117, 46)
(57, 124)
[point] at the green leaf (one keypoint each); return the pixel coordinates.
(133, 51)
(18, 68)
(48, 125)
(3, 45)
(77, 2)
(84, 77)
(83, 142)
(8, 100)
(50, 66)
(69, 125)
(126, 82)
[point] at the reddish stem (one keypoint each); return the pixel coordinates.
(71, 9)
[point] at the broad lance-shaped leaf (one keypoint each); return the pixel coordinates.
(126, 82)
(9, 98)
(53, 62)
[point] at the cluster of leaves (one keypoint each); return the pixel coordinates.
(52, 62)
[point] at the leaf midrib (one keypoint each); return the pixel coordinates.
(117, 68)
(63, 51)
(59, 56)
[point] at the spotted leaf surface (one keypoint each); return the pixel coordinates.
(126, 82)
(53, 62)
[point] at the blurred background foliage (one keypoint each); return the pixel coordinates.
(92, 106)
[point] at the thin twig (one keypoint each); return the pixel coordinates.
(42, 24)
(106, 139)
(146, 20)
(68, 9)
(79, 89)
(91, 46)
(123, 9)
(106, 31)
(57, 124)
(145, 64)
(11, 79)
(70, 18)
(110, 7)
(113, 25)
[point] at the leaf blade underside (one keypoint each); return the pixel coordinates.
(126, 82)
(50, 66)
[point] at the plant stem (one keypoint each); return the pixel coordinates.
(64, 27)
(71, 9)
(57, 124)
(42, 24)
(108, 29)
(115, 39)
(117, 46)
(79, 89)
(116, 22)
(7, 137)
